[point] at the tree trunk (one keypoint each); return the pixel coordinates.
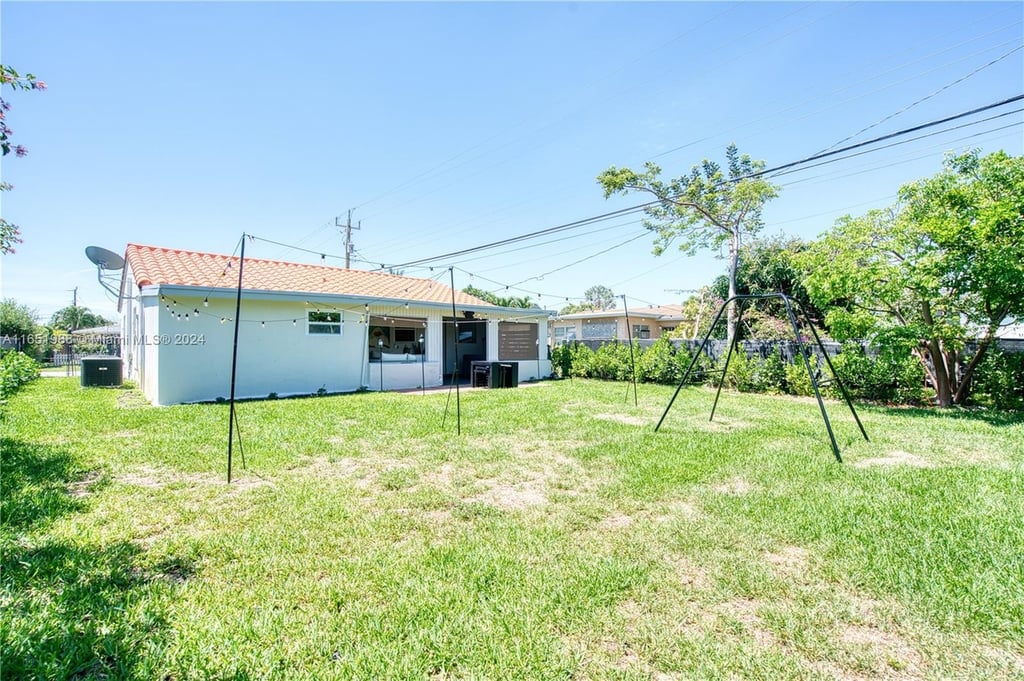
(943, 395)
(734, 261)
(964, 390)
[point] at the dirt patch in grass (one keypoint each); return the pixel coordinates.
(677, 509)
(615, 521)
(1010, 660)
(895, 458)
(744, 610)
(131, 399)
(734, 487)
(624, 418)
(721, 424)
(83, 488)
(790, 560)
(513, 497)
(891, 652)
(688, 573)
(159, 478)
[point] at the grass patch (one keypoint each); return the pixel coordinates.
(557, 537)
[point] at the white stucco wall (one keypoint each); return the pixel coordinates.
(176, 361)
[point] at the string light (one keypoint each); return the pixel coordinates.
(206, 302)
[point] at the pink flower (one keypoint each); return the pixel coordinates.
(20, 150)
(39, 84)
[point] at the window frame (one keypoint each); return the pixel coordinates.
(334, 328)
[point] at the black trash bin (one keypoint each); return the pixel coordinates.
(505, 374)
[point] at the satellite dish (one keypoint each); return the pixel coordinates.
(104, 259)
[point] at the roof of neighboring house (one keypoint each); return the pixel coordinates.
(154, 265)
(665, 312)
(109, 329)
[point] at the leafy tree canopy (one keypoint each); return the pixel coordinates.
(704, 209)
(597, 297)
(942, 267)
(73, 317)
(510, 301)
(769, 266)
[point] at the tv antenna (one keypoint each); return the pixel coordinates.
(107, 262)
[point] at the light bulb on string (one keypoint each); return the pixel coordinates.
(206, 301)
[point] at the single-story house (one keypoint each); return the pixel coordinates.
(305, 329)
(648, 323)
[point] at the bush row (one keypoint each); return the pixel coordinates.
(16, 369)
(888, 377)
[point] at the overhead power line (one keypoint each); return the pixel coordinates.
(767, 171)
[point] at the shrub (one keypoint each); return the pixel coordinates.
(742, 372)
(16, 369)
(612, 361)
(771, 374)
(660, 363)
(798, 381)
(892, 376)
(561, 360)
(999, 381)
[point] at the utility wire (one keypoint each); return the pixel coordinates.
(767, 171)
(927, 97)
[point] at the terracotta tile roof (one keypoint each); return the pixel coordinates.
(153, 265)
(658, 311)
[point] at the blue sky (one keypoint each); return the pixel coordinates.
(449, 125)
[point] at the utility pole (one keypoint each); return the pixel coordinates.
(74, 308)
(349, 248)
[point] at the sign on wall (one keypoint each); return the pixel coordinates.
(517, 340)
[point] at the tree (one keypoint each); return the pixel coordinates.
(511, 301)
(18, 329)
(941, 268)
(9, 233)
(703, 209)
(599, 297)
(769, 266)
(75, 317)
(595, 298)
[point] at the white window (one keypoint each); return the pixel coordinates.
(323, 323)
(564, 334)
(641, 331)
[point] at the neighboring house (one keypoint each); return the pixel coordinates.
(648, 323)
(304, 328)
(99, 339)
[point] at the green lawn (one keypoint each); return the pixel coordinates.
(557, 537)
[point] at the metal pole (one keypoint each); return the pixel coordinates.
(814, 382)
(728, 357)
(632, 364)
(835, 374)
(455, 374)
(380, 351)
(423, 370)
(234, 356)
(686, 374)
